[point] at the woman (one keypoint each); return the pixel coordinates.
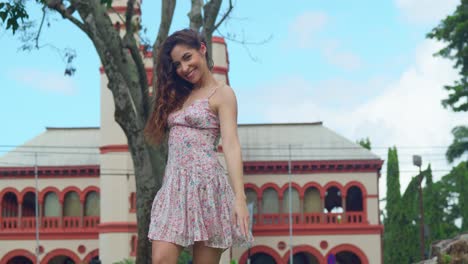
(196, 206)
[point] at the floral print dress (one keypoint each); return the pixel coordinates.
(196, 201)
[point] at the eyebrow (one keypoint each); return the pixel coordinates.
(183, 57)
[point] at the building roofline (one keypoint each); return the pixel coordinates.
(71, 128)
(319, 123)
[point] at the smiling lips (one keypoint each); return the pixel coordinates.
(190, 75)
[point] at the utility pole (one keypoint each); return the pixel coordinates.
(417, 161)
(36, 201)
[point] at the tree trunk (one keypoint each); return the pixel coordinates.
(128, 83)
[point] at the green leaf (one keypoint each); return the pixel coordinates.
(2, 5)
(3, 15)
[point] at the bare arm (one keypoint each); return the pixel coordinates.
(227, 111)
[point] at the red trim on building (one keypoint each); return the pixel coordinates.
(252, 187)
(266, 186)
(50, 235)
(219, 40)
(113, 148)
(304, 248)
(334, 184)
(6, 190)
(317, 229)
(72, 171)
(47, 190)
(91, 255)
(355, 184)
(376, 196)
(123, 10)
(351, 248)
(260, 249)
(220, 70)
(117, 227)
(24, 192)
(67, 190)
(314, 185)
(308, 166)
(87, 190)
(286, 187)
(61, 252)
(18, 253)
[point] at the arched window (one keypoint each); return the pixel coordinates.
(270, 202)
(333, 200)
(296, 207)
(71, 204)
(29, 205)
(312, 202)
(252, 198)
(51, 205)
(92, 204)
(354, 200)
(10, 205)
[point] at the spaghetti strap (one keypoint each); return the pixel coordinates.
(213, 91)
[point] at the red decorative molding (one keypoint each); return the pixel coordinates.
(75, 171)
(323, 244)
(18, 253)
(123, 10)
(91, 255)
(61, 252)
(67, 190)
(261, 249)
(220, 70)
(334, 184)
(351, 248)
(307, 166)
(87, 190)
(132, 200)
(286, 187)
(281, 245)
(81, 249)
(117, 227)
(376, 196)
(355, 184)
(47, 190)
(219, 40)
(317, 229)
(133, 245)
(314, 185)
(304, 248)
(113, 148)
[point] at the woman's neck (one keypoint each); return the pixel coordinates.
(207, 80)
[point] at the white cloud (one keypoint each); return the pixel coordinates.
(304, 33)
(335, 55)
(305, 26)
(403, 112)
(44, 80)
(426, 11)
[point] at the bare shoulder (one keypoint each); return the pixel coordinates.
(224, 97)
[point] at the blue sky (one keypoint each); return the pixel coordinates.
(362, 67)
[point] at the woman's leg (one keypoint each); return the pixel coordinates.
(165, 252)
(206, 255)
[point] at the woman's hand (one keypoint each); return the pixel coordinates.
(241, 215)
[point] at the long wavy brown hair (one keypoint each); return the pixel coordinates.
(171, 91)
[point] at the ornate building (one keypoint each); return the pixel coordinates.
(86, 192)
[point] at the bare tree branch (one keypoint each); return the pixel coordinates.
(167, 13)
(128, 17)
(210, 13)
(40, 27)
(195, 16)
(66, 13)
(224, 16)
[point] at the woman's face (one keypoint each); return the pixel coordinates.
(190, 63)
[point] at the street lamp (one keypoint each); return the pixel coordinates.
(417, 161)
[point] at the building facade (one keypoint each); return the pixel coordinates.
(314, 193)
